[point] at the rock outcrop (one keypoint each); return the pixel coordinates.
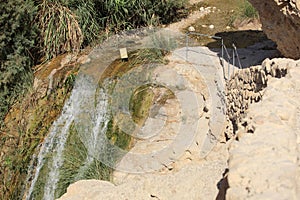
(264, 163)
(247, 87)
(187, 176)
(281, 22)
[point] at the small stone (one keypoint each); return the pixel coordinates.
(211, 26)
(202, 9)
(204, 26)
(266, 65)
(205, 109)
(228, 27)
(191, 29)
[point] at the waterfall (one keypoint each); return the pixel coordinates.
(87, 107)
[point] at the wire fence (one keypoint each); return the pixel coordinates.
(228, 62)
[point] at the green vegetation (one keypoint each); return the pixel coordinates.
(26, 126)
(76, 167)
(142, 56)
(17, 44)
(140, 104)
(246, 10)
(35, 31)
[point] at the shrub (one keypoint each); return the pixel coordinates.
(17, 47)
(247, 10)
(122, 14)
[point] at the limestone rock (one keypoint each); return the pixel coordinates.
(281, 22)
(265, 164)
(192, 29)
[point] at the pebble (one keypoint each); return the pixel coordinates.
(191, 29)
(211, 26)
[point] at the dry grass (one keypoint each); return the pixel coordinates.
(59, 29)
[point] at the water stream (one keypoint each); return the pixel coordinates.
(92, 121)
(88, 110)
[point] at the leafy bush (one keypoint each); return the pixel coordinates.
(17, 47)
(123, 14)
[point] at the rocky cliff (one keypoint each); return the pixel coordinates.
(264, 162)
(281, 23)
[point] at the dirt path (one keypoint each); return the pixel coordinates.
(192, 18)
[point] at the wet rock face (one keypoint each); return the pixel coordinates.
(281, 23)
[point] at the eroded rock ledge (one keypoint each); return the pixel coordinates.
(247, 87)
(281, 22)
(264, 162)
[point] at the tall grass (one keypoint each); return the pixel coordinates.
(124, 14)
(59, 29)
(69, 24)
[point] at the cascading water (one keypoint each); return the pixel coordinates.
(88, 111)
(92, 121)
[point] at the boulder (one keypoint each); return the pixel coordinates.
(281, 22)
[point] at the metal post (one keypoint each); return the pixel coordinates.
(187, 45)
(238, 58)
(228, 76)
(223, 59)
(233, 62)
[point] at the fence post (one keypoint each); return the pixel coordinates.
(187, 45)
(233, 62)
(222, 53)
(237, 55)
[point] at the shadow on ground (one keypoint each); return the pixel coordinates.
(252, 47)
(241, 39)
